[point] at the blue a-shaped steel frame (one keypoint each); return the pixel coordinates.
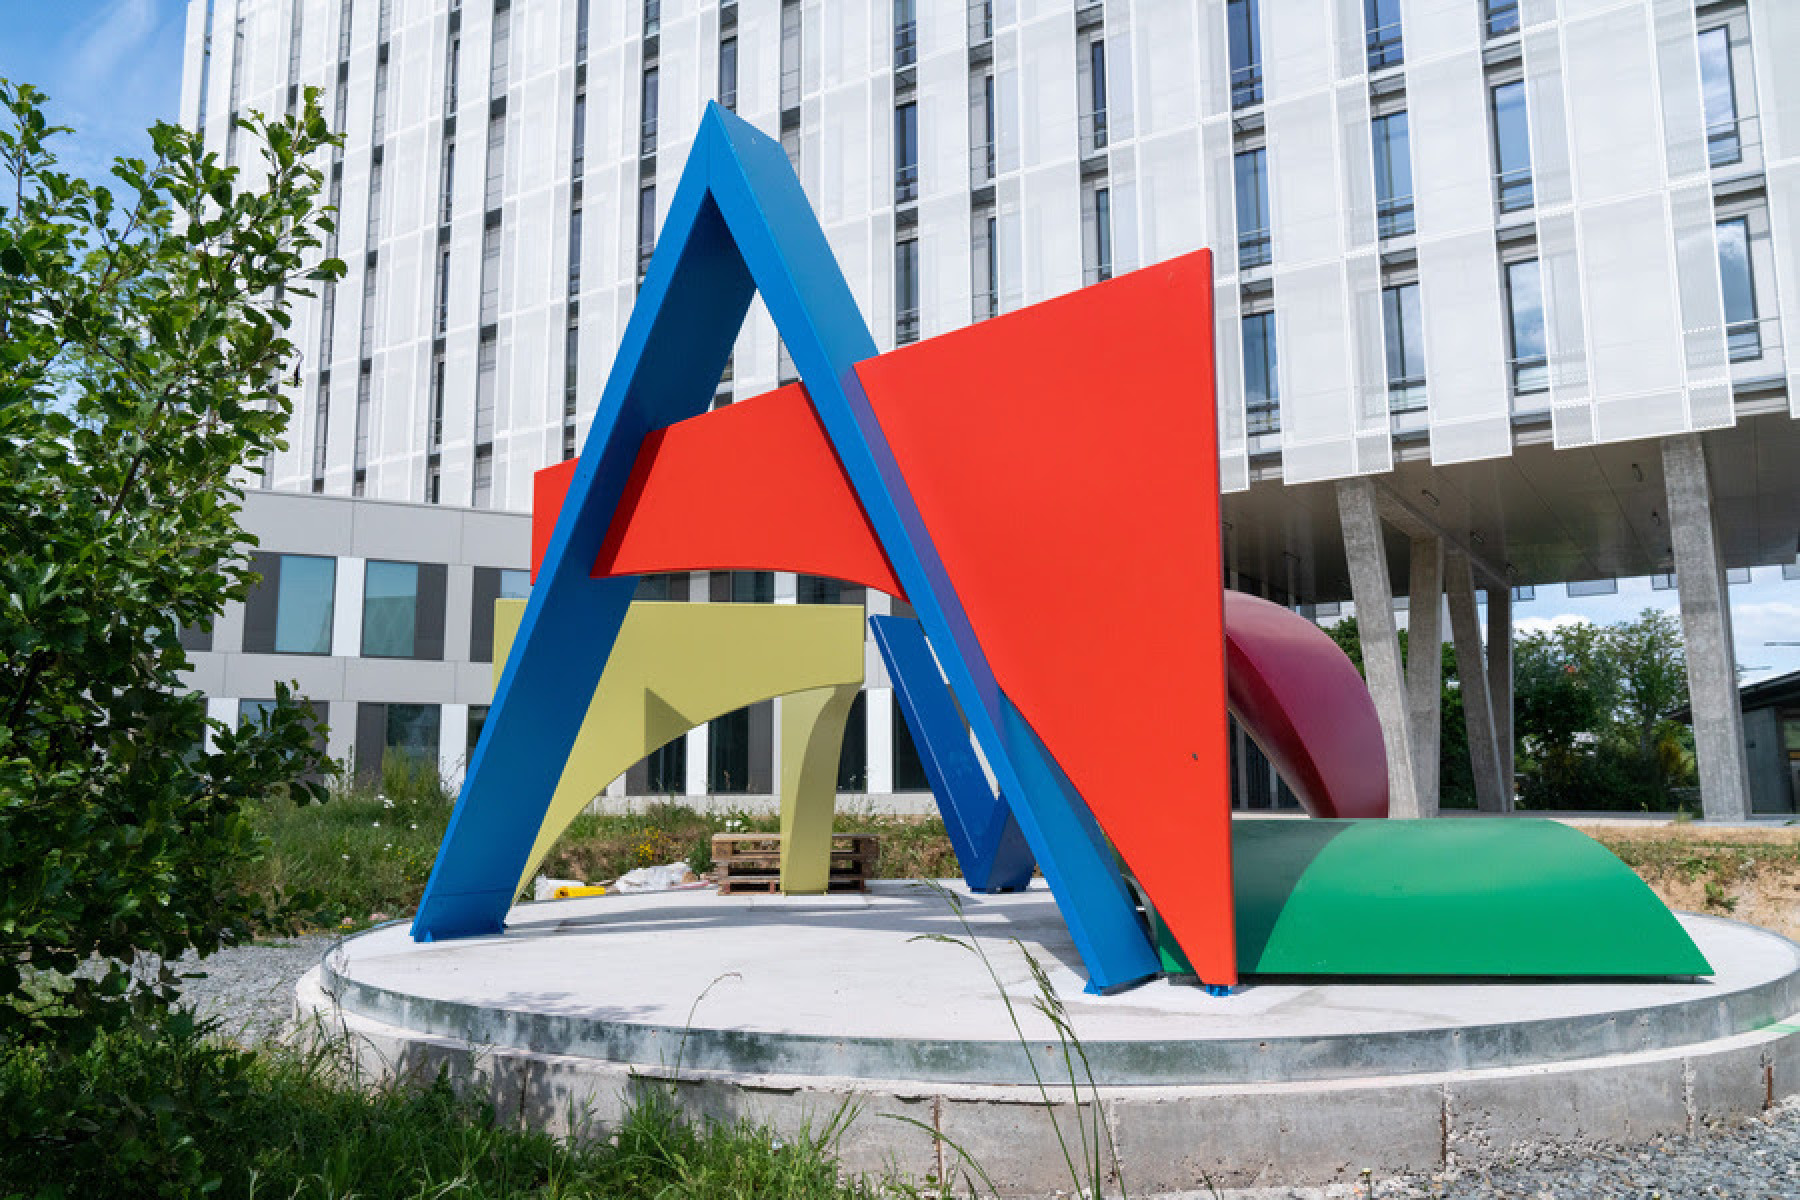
(986, 836)
(740, 224)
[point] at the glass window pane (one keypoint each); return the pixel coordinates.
(1742, 332)
(1244, 29)
(412, 730)
(1382, 21)
(304, 605)
(1262, 390)
(1393, 174)
(1404, 347)
(1252, 208)
(390, 609)
(254, 712)
(1512, 147)
(1720, 97)
(515, 584)
(906, 153)
(1525, 298)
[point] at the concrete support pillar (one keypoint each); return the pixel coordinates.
(1425, 664)
(1373, 593)
(1706, 631)
(1500, 682)
(1471, 670)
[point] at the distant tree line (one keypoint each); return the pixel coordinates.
(1593, 717)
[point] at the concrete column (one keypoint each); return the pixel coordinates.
(1425, 664)
(697, 758)
(1471, 670)
(1706, 631)
(878, 711)
(1500, 682)
(1374, 597)
(453, 744)
(347, 608)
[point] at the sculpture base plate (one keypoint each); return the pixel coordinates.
(785, 1008)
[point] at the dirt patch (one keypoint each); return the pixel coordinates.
(1749, 874)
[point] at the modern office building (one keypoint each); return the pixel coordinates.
(1504, 287)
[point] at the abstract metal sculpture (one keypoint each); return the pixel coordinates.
(1041, 488)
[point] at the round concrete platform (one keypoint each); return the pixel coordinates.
(780, 1007)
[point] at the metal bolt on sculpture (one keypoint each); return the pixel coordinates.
(1042, 490)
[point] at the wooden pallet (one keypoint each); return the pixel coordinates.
(751, 862)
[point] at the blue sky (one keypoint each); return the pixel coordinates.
(113, 67)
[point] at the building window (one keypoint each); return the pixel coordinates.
(492, 584)
(1093, 89)
(909, 768)
(906, 154)
(1525, 328)
(728, 72)
(1512, 147)
(321, 429)
(728, 753)
(652, 18)
(435, 436)
(411, 733)
(327, 322)
(452, 73)
(790, 146)
(490, 275)
(481, 491)
(785, 371)
(1719, 90)
(290, 611)
(378, 123)
(906, 33)
(478, 714)
(390, 609)
(1743, 333)
(646, 230)
(372, 233)
(666, 769)
(984, 264)
(790, 54)
(487, 372)
(1262, 384)
(906, 291)
(578, 138)
(502, 51)
(981, 148)
(574, 251)
(753, 587)
(1245, 28)
(361, 454)
(443, 288)
(1393, 175)
(366, 333)
(446, 182)
(1381, 18)
(1096, 234)
(496, 162)
(647, 121)
(1253, 208)
(1502, 17)
(1405, 347)
(581, 30)
(981, 22)
(853, 753)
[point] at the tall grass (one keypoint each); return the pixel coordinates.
(169, 1113)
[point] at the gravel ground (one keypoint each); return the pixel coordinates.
(250, 990)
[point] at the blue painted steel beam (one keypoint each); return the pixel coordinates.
(989, 844)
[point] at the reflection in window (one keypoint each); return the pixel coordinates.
(1252, 208)
(254, 712)
(1096, 234)
(1393, 175)
(728, 64)
(1525, 328)
(647, 120)
(1262, 384)
(909, 769)
(1244, 23)
(666, 769)
(1723, 142)
(984, 261)
(1093, 120)
(1512, 147)
(1502, 17)
(853, 754)
(646, 231)
(303, 605)
(390, 609)
(906, 291)
(728, 753)
(1381, 18)
(412, 731)
(906, 154)
(906, 33)
(1405, 347)
(753, 587)
(790, 55)
(1743, 335)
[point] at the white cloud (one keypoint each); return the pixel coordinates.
(102, 43)
(1529, 625)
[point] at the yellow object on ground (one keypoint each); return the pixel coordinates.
(569, 893)
(677, 666)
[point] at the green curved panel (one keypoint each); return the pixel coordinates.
(1514, 897)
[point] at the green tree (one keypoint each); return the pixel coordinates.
(142, 353)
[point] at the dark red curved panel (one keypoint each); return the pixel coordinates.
(1300, 697)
